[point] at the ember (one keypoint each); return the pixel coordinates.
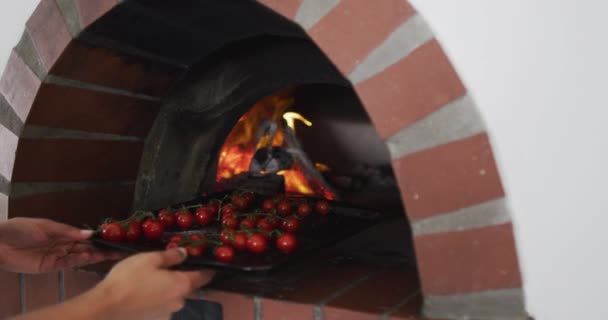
(269, 127)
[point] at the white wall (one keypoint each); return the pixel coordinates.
(539, 72)
(13, 15)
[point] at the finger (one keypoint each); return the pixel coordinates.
(64, 231)
(167, 258)
(74, 260)
(199, 278)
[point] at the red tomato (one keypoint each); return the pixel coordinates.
(257, 243)
(265, 225)
(239, 202)
(287, 243)
(177, 238)
(134, 231)
(239, 241)
(224, 253)
(249, 197)
(185, 220)
(304, 210)
(113, 231)
(247, 224)
(268, 205)
(227, 210)
(226, 236)
(322, 207)
(167, 218)
(195, 251)
(204, 216)
(196, 237)
(215, 207)
(153, 229)
(284, 208)
(291, 224)
(172, 245)
(230, 222)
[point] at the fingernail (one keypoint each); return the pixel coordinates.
(182, 251)
(86, 233)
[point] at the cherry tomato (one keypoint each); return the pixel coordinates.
(284, 208)
(196, 237)
(322, 207)
(172, 245)
(257, 243)
(215, 207)
(230, 222)
(185, 220)
(227, 210)
(133, 231)
(176, 238)
(247, 224)
(291, 224)
(113, 231)
(167, 218)
(204, 216)
(153, 229)
(195, 250)
(268, 205)
(224, 253)
(304, 210)
(239, 241)
(287, 243)
(249, 197)
(239, 202)
(265, 225)
(226, 236)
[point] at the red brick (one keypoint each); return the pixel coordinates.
(74, 108)
(376, 295)
(65, 160)
(468, 261)
(8, 145)
(10, 298)
(284, 310)
(234, 306)
(287, 8)
(331, 313)
(41, 290)
(410, 310)
(90, 11)
(352, 29)
(48, 32)
(77, 282)
(321, 284)
(448, 177)
(411, 89)
(19, 85)
(78, 207)
(105, 67)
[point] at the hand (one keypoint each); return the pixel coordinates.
(141, 287)
(39, 245)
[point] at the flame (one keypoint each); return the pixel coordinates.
(240, 145)
(291, 117)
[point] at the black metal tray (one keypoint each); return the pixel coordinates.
(315, 232)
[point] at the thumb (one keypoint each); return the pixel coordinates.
(169, 258)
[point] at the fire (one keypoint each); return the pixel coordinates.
(244, 140)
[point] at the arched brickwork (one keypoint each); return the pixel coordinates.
(74, 117)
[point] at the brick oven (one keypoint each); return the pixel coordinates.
(108, 106)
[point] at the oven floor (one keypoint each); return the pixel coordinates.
(372, 273)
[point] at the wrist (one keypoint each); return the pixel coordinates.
(102, 302)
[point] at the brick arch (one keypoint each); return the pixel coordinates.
(441, 153)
